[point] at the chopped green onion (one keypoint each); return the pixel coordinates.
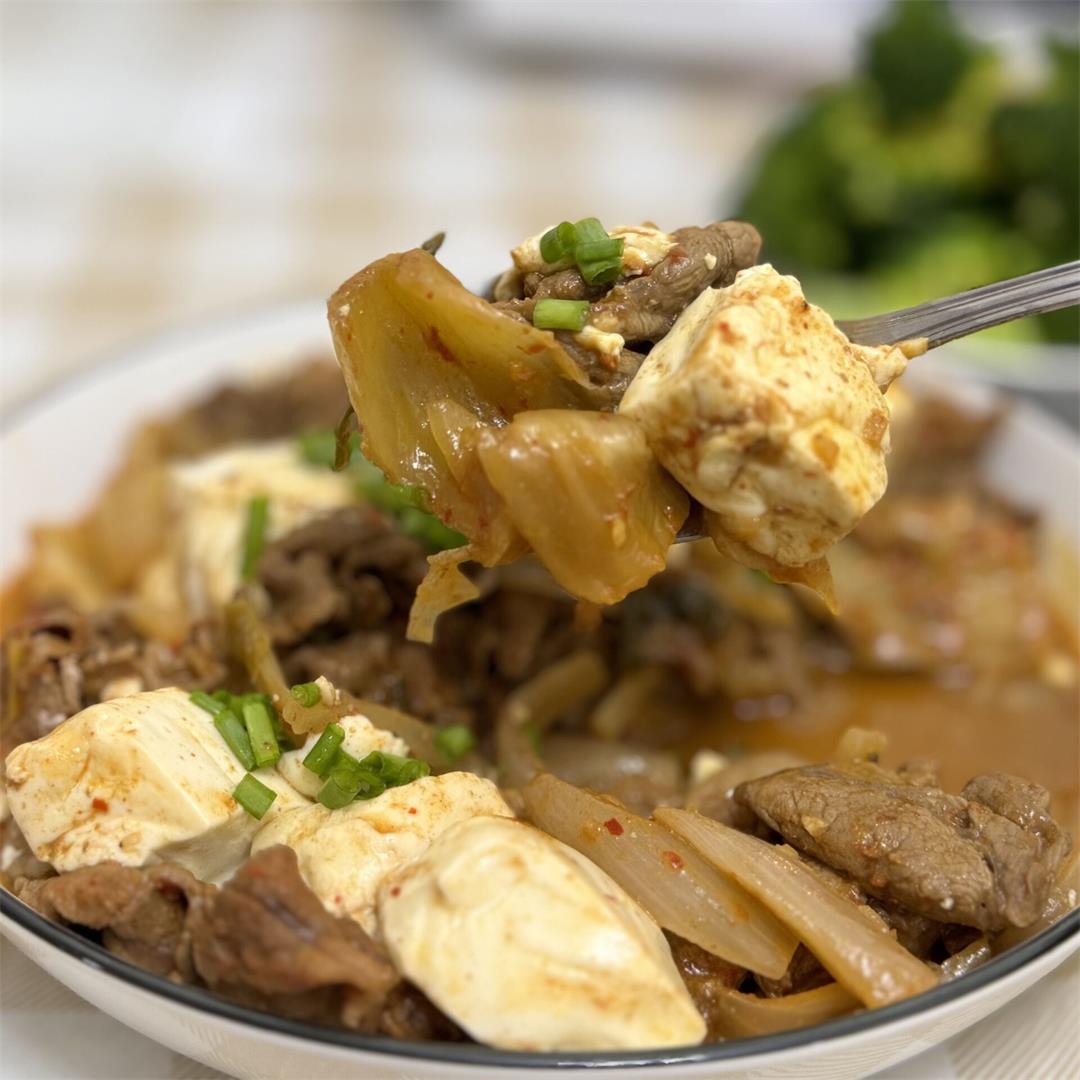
(320, 758)
(258, 515)
(317, 447)
(611, 247)
(413, 769)
(212, 705)
(393, 770)
(371, 785)
(429, 530)
(602, 272)
(390, 497)
(254, 796)
(454, 742)
(552, 314)
(231, 728)
(587, 230)
(341, 787)
(260, 729)
(557, 243)
(307, 693)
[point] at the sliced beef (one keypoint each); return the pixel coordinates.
(409, 1014)
(918, 934)
(141, 913)
(307, 397)
(263, 939)
(61, 661)
(715, 795)
(349, 569)
(645, 308)
(268, 941)
(340, 591)
(704, 974)
(951, 858)
(804, 972)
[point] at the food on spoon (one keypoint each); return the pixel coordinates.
(768, 416)
(718, 371)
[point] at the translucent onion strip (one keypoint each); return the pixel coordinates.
(670, 880)
(864, 960)
(733, 1015)
(531, 708)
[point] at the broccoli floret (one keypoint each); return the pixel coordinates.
(917, 59)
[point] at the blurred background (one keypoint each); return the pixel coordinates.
(168, 162)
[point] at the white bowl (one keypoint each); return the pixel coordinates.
(57, 449)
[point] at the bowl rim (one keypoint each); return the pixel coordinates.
(73, 944)
(89, 952)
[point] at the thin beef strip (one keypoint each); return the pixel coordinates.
(340, 590)
(952, 858)
(60, 661)
(268, 941)
(804, 972)
(311, 396)
(141, 913)
(263, 939)
(645, 308)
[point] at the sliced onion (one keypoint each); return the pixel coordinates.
(670, 880)
(250, 643)
(640, 777)
(532, 707)
(859, 744)
(625, 700)
(739, 1016)
(865, 961)
(968, 959)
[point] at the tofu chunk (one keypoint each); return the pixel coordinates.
(529, 946)
(765, 412)
(345, 854)
(138, 779)
(361, 738)
(210, 499)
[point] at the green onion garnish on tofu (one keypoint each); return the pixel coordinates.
(260, 729)
(320, 758)
(341, 786)
(258, 515)
(454, 742)
(560, 314)
(558, 243)
(307, 693)
(600, 261)
(254, 796)
(588, 230)
(413, 769)
(228, 723)
(231, 728)
(393, 770)
(371, 784)
(213, 705)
